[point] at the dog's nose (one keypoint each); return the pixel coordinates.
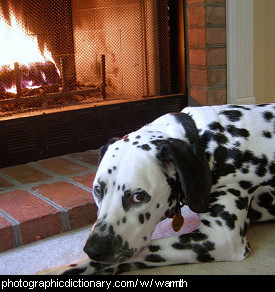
(98, 248)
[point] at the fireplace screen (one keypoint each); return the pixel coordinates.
(63, 53)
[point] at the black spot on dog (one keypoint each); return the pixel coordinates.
(154, 248)
(75, 271)
(236, 132)
(215, 126)
(147, 216)
(239, 106)
(212, 136)
(138, 137)
(195, 236)
(126, 200)
(245, 184)
(268, 116)
(218, 222)
(135, 143)
(262, 105)
(272, 168)
(267, 134)
(154, 258)
(229, 219)
(109, 171)
(242, 203)
(206, 222)
(245, 170)
(232, 115)
(123, 219)
(141, 218)
(145, 147)
(221, 168)
(217, 210)
(191, 242)
(234, 192)
(253, 214)
(265, 201)
(204, 258)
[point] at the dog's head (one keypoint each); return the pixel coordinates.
(139, 181)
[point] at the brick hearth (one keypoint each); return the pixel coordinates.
(47, 197)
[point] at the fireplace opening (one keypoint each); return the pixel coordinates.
(59, 54)
(74, 73)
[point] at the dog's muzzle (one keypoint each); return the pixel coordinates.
(107, 247)
(99, 248)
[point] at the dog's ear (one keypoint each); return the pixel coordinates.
(191, 164)
(105, 147)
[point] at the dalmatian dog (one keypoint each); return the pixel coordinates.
(219, 160)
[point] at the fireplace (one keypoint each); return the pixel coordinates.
(75, 73)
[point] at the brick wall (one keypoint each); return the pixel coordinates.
(206, 25)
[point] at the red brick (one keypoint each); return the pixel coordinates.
(26, 174)
(82, 215)
(215, 15)
(217, 77)
(79, 203)
(196, 15)
(216, 57)
(216, 96)
(197, 57)
(198, 77)
(5, 185)
(85, 179)
(196, 36)
(65, 194)
(90, 157)
(216, 1)
(199, 94)
(23, 206)
(62, 166)
(42, 226)
(216, 35)
(190, 2)
(35, 216)
(6, 235)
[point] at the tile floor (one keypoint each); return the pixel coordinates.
(47, 197)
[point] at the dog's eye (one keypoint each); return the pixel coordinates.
(97, 191)
(138, 197)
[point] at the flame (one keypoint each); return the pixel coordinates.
(16, 45)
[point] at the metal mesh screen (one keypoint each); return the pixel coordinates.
(65, 53)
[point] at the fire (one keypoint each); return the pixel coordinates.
(16, 45)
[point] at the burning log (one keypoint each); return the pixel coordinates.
(32, 76)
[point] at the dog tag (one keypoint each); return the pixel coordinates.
(177, 222)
